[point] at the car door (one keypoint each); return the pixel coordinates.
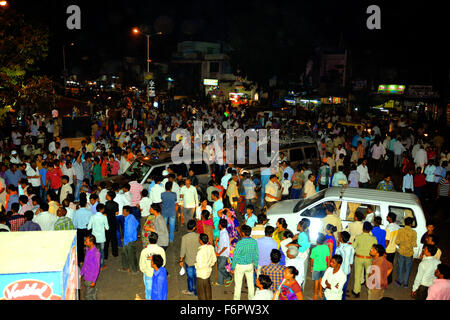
(315, 213)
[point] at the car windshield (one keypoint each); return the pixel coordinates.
(137, 171)
(306, 202)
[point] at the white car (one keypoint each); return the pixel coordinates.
(347, 202)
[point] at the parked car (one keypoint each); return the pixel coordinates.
(347, 201)
(142, 168)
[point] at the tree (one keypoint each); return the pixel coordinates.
(22, 47)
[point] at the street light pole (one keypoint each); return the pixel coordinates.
(137, 31)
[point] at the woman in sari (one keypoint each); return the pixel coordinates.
(234, 232)
(331, 240)
(279, 231)
(289, 288)
(146, 230)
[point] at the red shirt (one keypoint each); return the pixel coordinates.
(54, 175)
(419, 180)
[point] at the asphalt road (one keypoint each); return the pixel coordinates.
(114, 285)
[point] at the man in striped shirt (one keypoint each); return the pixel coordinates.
(245, 260)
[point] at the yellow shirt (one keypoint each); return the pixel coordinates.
(391, 235)
(406, 241)
(53, 207)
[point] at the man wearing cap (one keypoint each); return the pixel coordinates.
(165, 175)
(363, 244)
(14, 157)
(331, 218)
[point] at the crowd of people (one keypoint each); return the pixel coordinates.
(45, 185)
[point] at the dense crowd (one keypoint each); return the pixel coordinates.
(46, 185)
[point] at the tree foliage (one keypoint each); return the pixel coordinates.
(23, 46)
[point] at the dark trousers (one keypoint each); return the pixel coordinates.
(137, 214)
(129, 259)
(429, 191)
(421, 293)
(90, 293)
(36, 191)
(111, 238)
(119, 227)
(390, 257)
(223, 274)
(363, 184)
(204, 291)
(344, 289)
(81, 234)
(418, 192)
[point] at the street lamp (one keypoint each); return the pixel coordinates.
(137, 31)
(3, 3)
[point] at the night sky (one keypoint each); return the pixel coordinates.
(413, 34)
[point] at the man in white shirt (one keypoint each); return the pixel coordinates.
(272, 194)
(144, 204)
(33, 177)
(340, 151)
(408, 182)
(45, 219)
(145, 262)
(309, 188)
(398, 150)
(420, 157)
(292, 259)
(189, 197)
(52, 146)
(425, 273)
(98, 223)
(67, 170)
(205, 260)
(156, 191)
(334, 279)
(122, 200)
(102, 193)
(364, 177)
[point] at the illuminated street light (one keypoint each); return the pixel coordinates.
(3, 3)
(137, 31)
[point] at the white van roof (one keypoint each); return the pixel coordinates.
(356, 194)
